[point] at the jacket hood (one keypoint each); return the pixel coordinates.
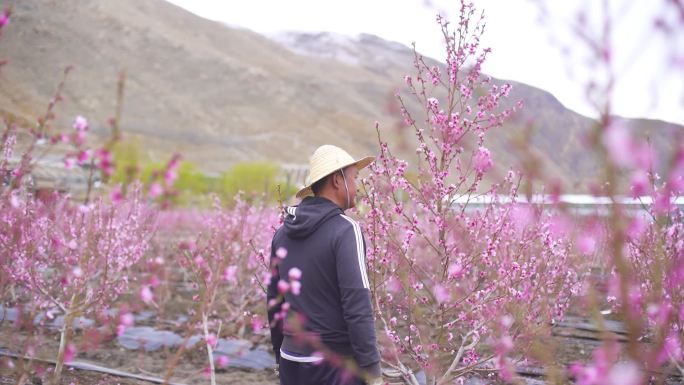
(301, 221)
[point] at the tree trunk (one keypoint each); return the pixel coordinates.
(210, 350)
(65, 338)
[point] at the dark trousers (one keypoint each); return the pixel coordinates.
(305, 373)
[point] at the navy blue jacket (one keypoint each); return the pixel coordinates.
(335, 299)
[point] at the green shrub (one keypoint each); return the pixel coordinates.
(255, 180)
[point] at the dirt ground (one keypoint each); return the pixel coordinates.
(190, 370)
(573, 340)
(80, 377)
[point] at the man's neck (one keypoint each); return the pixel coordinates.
(329, 196)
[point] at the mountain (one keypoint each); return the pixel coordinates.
(558, 138)
(222, 95)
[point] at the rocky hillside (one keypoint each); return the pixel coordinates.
(221, 95)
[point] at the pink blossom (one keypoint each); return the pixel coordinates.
(393, 284)
(283, 287)
(319, 355)
(146, 294)
(407, 117)
(614, 286)
(639, 183)
(483, 160)
(662, 202)
(103, 154)
(15, 200)
(295, 287)
(672, 349)
(222, 361)
(658, 313)
(503, 363)
(154, 281)
(5, 18)
(105, 162)
(229, 274)
(174, 162)
(69, 163)
(78, 138)
(435, 74)
(281, 253)
(586, 243)
(257, 323)
(169, 177)
(31, 350)
(106, 167)
(505, 344)
(644, 156)
(294, 274)
(584, 376)
(455, 270)
(155, 190)
(171, 172)
(126, 319)
(69, 352)
(83, 156)
(433, 105)
(116, 194)
(620, 145)
(559, 225)
(441, 293)
(212, 340)
(676, 179)
(80, 123)
(266, 276)
(523, 216)
(506, 322)
(624, 373)
(637, 226)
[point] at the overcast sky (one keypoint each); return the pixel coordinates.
(526, 46)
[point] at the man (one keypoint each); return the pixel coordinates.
(319, 297)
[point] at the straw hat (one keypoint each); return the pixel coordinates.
(326, 160)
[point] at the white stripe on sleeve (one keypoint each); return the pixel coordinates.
(361, 255)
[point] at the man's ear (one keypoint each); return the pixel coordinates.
(335, 180)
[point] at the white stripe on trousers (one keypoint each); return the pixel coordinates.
(290, 357)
